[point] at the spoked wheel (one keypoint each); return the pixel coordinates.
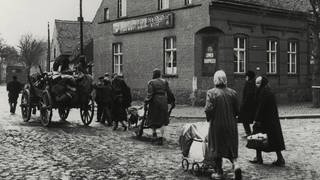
(196, 169)
(139, 131)
(46, 109)
(185, 165)
(86, 112)
(63, 113)
(25, 105)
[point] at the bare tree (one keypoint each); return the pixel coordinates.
(31, 50)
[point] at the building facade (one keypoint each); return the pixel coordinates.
(66, 38)
(191, 39)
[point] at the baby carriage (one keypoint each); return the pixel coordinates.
(194, 147)
(135, 115)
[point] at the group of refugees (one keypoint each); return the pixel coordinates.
(222, 111)
(113, 97)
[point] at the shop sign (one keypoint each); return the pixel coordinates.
(210, 56)
(148, 23)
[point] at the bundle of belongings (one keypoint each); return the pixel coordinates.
(71, 89)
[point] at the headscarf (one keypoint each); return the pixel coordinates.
(220, 79)
(156, 73)
(251, 75)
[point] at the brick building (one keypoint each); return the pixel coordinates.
(66, 39)
(191, 39)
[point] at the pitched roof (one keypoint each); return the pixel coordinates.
(68, 34)
(291, 5)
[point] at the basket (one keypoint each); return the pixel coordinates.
(258, 142)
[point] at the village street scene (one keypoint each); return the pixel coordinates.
(160, 89)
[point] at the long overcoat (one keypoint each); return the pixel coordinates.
(221, 110)
(268, 116)
(248, 106)
(13, 88)
(157, 98)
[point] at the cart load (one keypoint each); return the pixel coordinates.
(71, 89)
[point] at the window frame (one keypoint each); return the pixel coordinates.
(161, 4)
(187, 2)
(296, 53)
(238, 49)
(172, 50)
(122, 8)
(106, 14)
(117, 54)
(269, 53)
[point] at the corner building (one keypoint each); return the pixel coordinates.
(190, 39)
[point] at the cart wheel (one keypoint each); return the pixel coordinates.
(185, 165)
(46, 109)
(139, 131)
(25, 105)
(63, 113)
(196, 169)
(86, 112)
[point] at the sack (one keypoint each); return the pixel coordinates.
(258, 141)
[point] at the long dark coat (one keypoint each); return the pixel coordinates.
(14, 88)
(157, 98)
(248, 106)
(267, 115)
(221, 110)
(121, 99)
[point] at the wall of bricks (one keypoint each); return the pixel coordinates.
(143, 51)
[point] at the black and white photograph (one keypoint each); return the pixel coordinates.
(160, 89)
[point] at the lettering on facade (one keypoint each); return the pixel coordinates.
(210, 57)
(154, 22)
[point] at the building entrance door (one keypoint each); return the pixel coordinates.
(209, 55)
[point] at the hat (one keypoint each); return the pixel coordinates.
(106, 74)
(101, 77)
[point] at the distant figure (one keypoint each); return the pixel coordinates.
(13, 87)
(158, 97)
(247, 109)
(121, 101)
(63, 63)
(221, 111)
(267, 121)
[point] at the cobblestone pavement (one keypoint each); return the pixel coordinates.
(68, 150)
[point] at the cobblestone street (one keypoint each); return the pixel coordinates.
(68, 150)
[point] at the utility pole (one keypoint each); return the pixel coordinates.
(80, 19)
(49, 49)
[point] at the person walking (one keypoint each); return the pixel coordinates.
(122, 100)
(247, 109)
(99, 88)
(13, 87)
(221, 110)
(159, 95)
(267, 121)
(108, 100)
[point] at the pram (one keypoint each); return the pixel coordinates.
(194, 147)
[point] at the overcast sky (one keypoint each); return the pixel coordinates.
(18, 17)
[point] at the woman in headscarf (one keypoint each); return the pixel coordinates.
(158, 97)
(267, 121)
(221, 111)
(247, 109)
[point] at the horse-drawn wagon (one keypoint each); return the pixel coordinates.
(47, 91)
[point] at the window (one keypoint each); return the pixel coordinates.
(170, 56)
(122, 8)
(292, 57)
(240, 54)
(163, 4)
(106, 14)
(117, 58)
(187, 2)
(272, 54)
